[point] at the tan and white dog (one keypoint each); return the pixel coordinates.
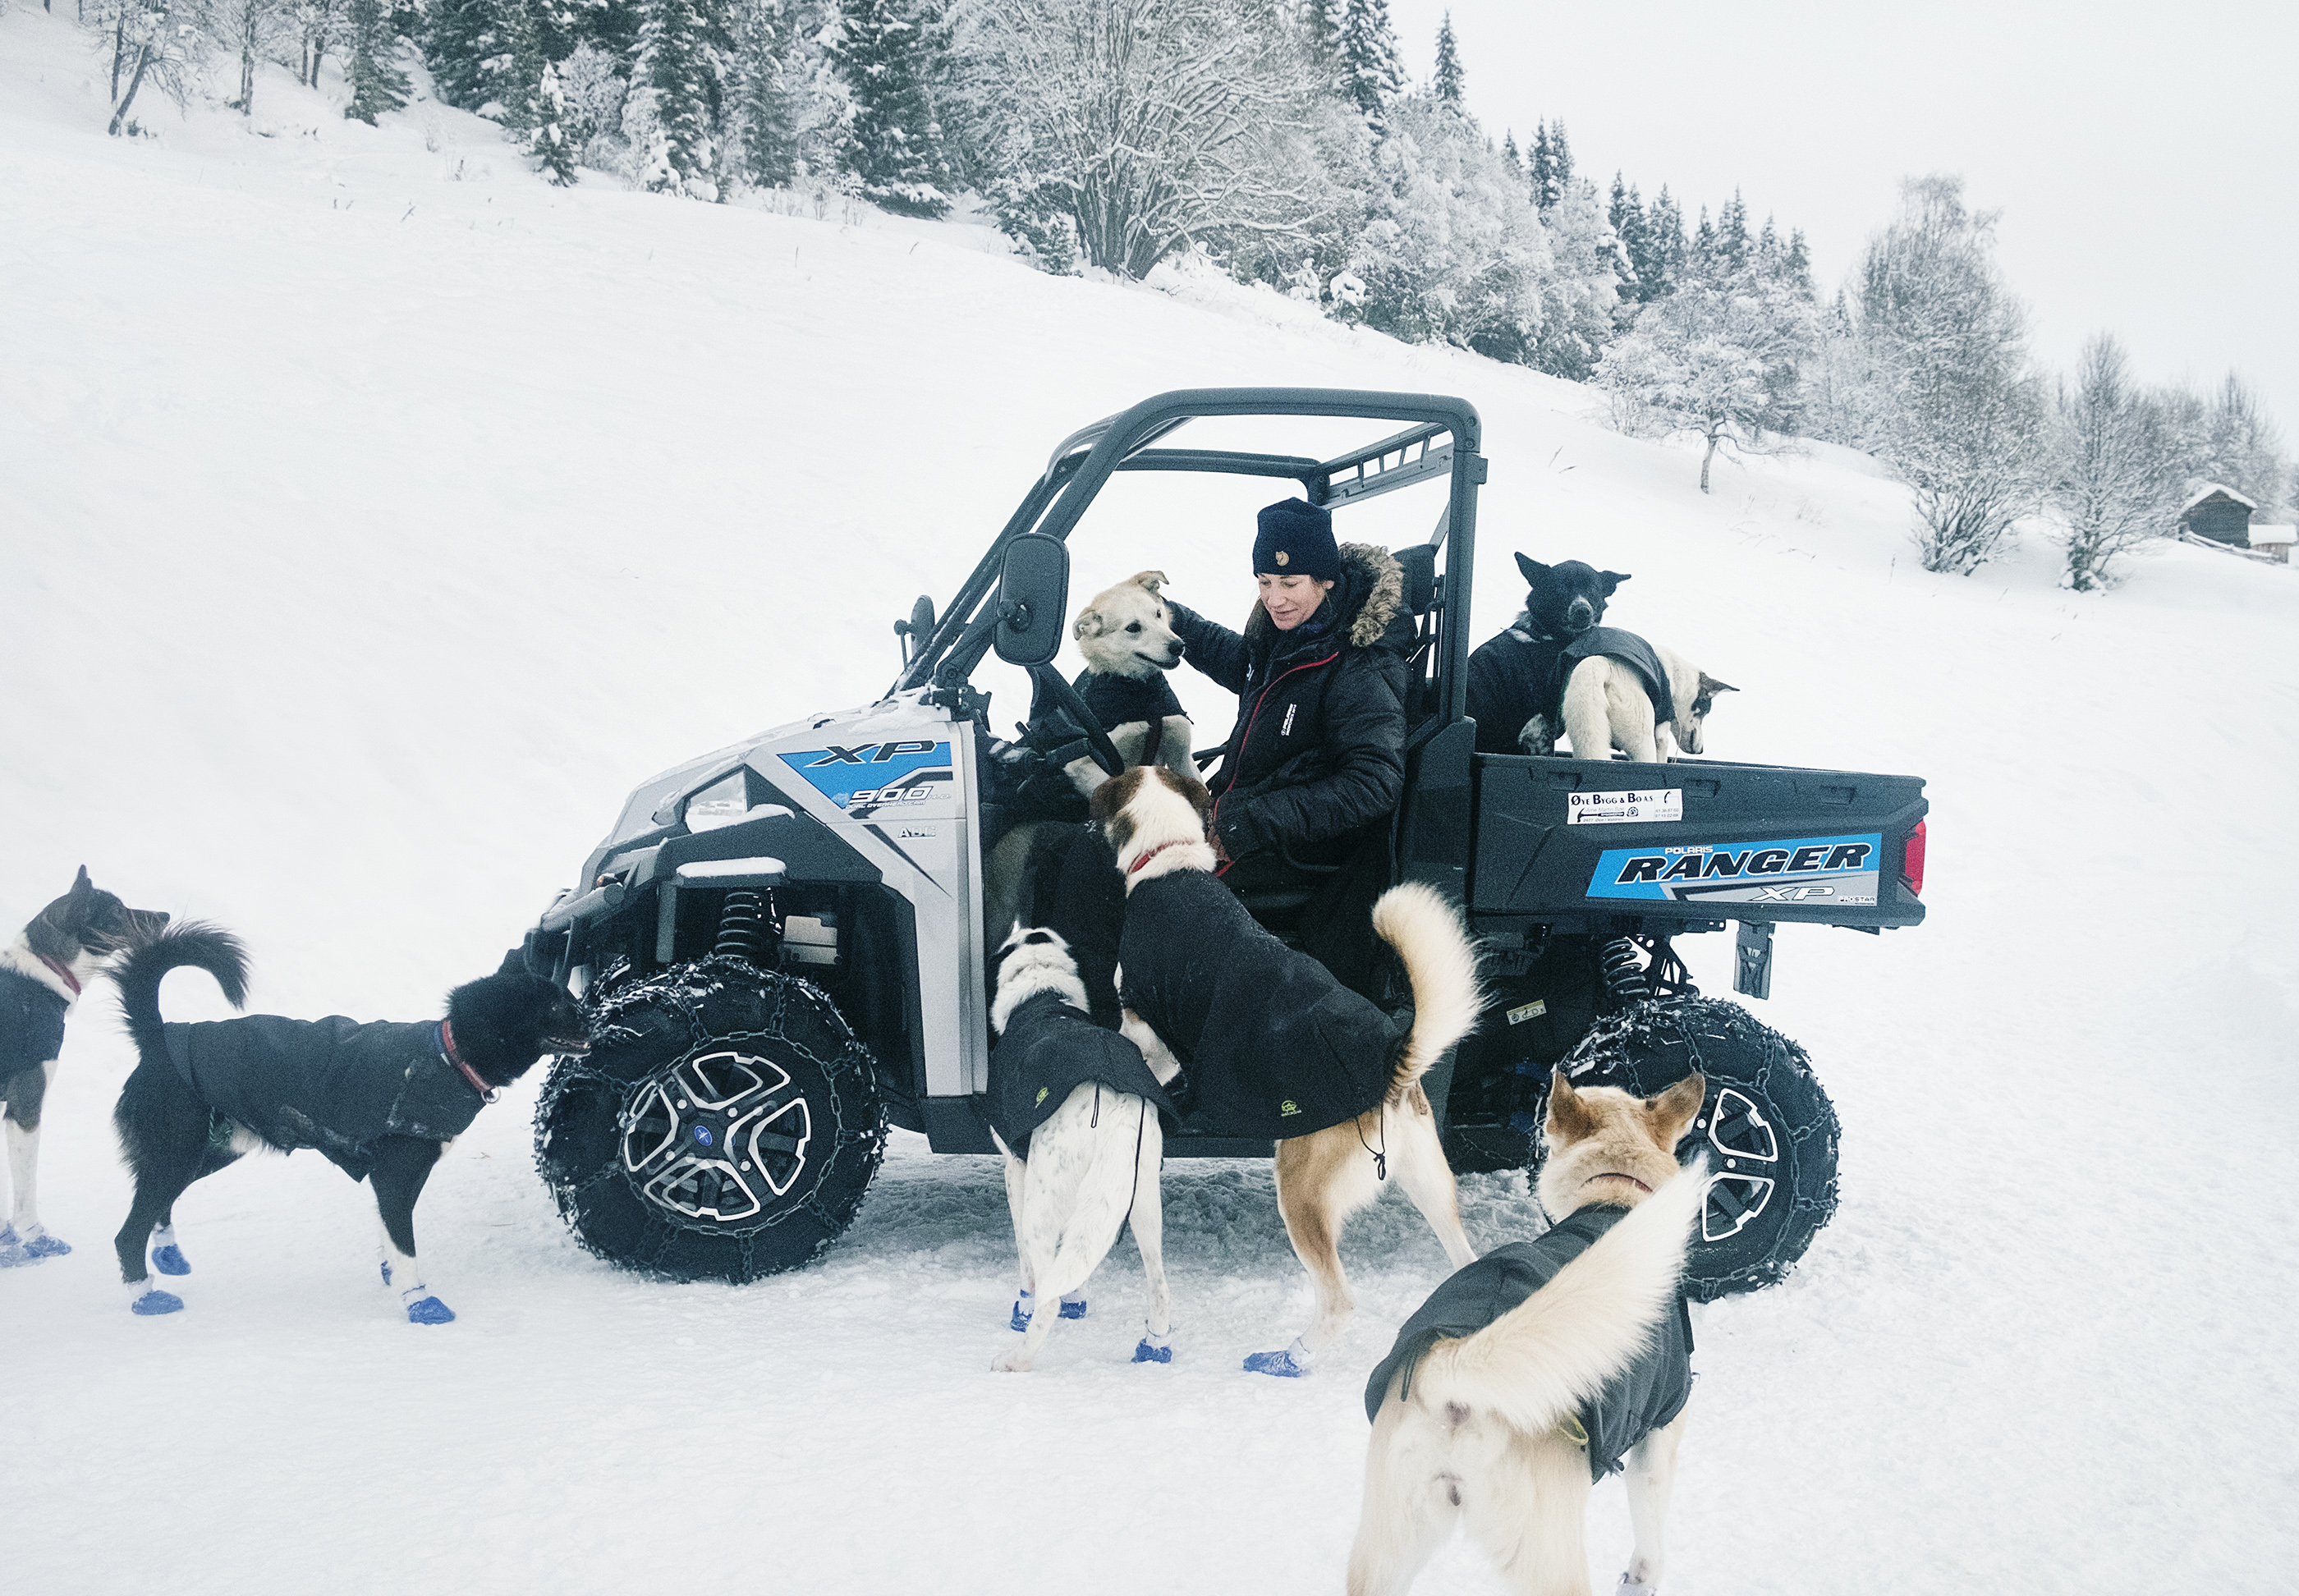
(1226, 996)
(1606, 707)
(1501, 1430)
(1126, 634)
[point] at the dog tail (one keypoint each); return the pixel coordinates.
(193, 944)
(1545, 1358)
(1425, 930)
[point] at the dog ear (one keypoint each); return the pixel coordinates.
(1709, 683)
(1150, 579)
(1568, 1119)
(82, 889)
(1533, 572)
(1671, 1114)
(1612, 579)
(1089, 624)
(514, 963)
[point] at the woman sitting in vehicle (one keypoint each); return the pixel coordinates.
(1314, 766)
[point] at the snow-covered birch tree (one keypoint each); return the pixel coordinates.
(253, 30)
(1135, 126)
(2115, 480)
(152, 44)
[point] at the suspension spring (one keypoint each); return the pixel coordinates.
(1623, 971)
(746, 928)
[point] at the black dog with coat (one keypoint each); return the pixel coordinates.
(379, 1100)
(1515, 678)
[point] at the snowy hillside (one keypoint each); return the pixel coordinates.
(377, 517)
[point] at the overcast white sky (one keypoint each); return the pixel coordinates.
(2146, 158)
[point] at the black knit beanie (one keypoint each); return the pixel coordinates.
(1297, 540)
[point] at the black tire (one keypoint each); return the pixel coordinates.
(1767, 1126)
(649, 1171)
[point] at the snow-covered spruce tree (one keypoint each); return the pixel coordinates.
(673, 111)
(471, 46)
(1371, 69)
(1720, 356)
(1452, 252)
(370, 69)
(2115, 480)
(885, 56)
(1449, 80)
(1135, 126)
(1955, 413)
(152, 44)
(761, 97)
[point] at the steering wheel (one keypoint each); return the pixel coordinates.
(1097, 741)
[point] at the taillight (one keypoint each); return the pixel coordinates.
(1912, 862)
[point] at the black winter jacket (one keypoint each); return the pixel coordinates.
(31, 1023)
(1274, 1045)
(1317, 752)
(1647, 1396)
(332, 1083)
(1048, 1049)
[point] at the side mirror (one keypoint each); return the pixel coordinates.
(918, 630)
(1033, 586)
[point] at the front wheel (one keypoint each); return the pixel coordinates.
(1769, 1130)
(724, 1125)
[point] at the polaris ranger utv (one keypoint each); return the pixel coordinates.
(782, 944)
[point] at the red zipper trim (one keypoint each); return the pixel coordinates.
(1246, 740)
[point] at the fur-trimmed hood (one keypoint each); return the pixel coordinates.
(1371, 593)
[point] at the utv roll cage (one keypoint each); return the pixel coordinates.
(1084, 462)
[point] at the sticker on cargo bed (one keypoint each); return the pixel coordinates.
(1531, 1011)
(1812, 871)
(898, 780)
(1622, 809)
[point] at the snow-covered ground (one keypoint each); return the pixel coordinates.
(377, 517)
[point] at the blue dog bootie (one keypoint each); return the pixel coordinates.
(1291, 1364)
(424, 1308)
(40, 1244)
(146, 1299)
(1154, 1348)
(166, 1256)
(13, 1253)
(1021, 1319)
(1073, 1305)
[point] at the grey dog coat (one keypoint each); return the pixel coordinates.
(1630, 651)
(1048, 1050)
(31, 1023)
(1648, 1394)
(333, 1083)
(1274, 1045)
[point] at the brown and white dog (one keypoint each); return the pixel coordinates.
(42, 974)
(1546, 1364)
(1256, 1022)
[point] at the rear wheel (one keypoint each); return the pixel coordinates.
(1767, 1126)
(724, 1125)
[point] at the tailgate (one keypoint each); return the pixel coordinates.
(1589, 844)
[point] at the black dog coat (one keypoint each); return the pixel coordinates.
(1630, 651)
(1274, 1045)
(31, 1023)
(332, 1083)
(1642, 1398)
(1048, 1050)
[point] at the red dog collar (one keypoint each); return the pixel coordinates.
(63, 972)
(1154, 852)
(447, 1051)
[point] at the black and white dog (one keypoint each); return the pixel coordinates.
(380, 1100)
(41, 975)
(1076, 1111)
(1515, 685)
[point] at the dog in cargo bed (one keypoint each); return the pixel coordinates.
(381, 1101)
(1275, 1046)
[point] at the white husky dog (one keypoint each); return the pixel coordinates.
(1497, 1417)
(1090, 1164)
(1126, 634)
(1606, 707)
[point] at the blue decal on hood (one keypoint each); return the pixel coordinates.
(871, 777)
